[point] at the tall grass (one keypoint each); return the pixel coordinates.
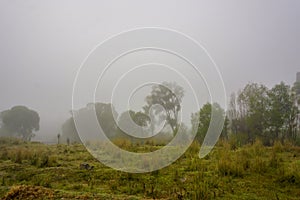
(222, 174)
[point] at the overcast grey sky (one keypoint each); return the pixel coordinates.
(42, 43)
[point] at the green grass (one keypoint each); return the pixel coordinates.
(249, 172)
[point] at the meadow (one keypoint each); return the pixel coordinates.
(32, 170)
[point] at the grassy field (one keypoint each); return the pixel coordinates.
(39, 171)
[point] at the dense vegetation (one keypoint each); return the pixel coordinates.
(19, 121)
(268, 114)
(254, 112)
(257, 156)
(38, 171)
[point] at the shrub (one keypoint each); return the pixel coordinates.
(34, 159)
(257, 149)
(44, 160)
(230, 165)
(275, 160)
(259, 165)
(4, 154)
(229, 168)
(28, 192)
(11, 141)
(277, 147)
(291, 175)
(18, 157)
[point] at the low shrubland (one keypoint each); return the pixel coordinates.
(228, 172)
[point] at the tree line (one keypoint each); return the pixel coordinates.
(148, 120)
(255, 112)
(267, 114)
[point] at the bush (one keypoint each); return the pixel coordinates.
(291, 175)
(229, 164)
(28, 192)
(277, 147)
(275, 160)
(34, 159)
(18, 157)
(229, 168)
(259, 165)
(48, 161)
(11, 141)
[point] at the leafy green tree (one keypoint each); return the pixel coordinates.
(169, 96)
(132, 123)
(267, 114)
(105, 114)
(21, 122)
(281, 106)
(236, 120)
(201, 126)
(204, 117)
(253, 110)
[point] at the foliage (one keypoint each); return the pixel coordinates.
(201, 120)
(105, 114)
(269, 114)
(225, 174)
(253, 103)
(20, 121)
(169, 96)
(132, 123)
(282, 113)
(29, 192)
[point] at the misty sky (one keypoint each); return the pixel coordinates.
(42, 43)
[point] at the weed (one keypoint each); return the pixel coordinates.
(229, 173)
